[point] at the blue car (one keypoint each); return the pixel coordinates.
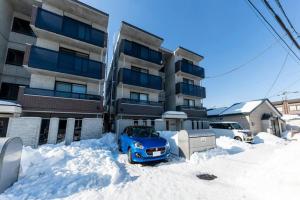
(143, 144)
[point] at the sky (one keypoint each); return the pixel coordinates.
(227, 33)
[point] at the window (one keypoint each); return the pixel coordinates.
(9, 91)
(187, 61)
(189, 102)
(293, 108)
(140, 69)
(70, 87)
(70, 51)
(144, 52)
(14, 57)
(76, 88)
(188, 81)
(22, 26)
(139, 96)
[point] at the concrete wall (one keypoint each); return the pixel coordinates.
(27, 128)
(5, 27)
(91, 128)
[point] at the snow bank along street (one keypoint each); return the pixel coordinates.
(93, 169)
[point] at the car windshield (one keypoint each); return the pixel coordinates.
(236, 126)
(144, 132)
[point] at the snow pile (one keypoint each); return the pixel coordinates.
(290, 117)
(57, 171)
(277, 177)
(225, 146)
(172, 138)
(267, 138)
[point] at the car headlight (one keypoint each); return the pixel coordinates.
(167, 145)
(138, 145)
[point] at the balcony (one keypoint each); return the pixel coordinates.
(139, 79)
(139, 108)
(44, 21)
(185, 67)
(190, 90)
(33, 99)
(140, 54)
(193, 111)
(45, 59)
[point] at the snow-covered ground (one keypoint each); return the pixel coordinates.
(93, 169)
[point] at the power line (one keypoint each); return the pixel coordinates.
(285, 15)
(274, 30)
(277, 76)
(244, 64)
(281, 23)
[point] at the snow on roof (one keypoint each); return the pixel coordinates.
(244, 107)
(238, 108)
(216, 111)
(8, 103)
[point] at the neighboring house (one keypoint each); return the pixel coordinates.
(147, 82)
(257, 116)
(288, 107)
(58, 76)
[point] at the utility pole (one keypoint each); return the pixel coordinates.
(285, 103)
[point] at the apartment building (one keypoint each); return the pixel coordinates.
(147, 81)
(288, 106)
(183, 86)
(62, 65)
(134, 84)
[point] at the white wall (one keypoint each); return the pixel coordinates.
(27, 128)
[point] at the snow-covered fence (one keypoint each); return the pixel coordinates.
(27, 128)
(10, 156)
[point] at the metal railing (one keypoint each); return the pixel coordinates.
(46, 59)
(141, 102)
(191, 90)
(132, 77)
(69, 27)
(189, 68)
(54, 93)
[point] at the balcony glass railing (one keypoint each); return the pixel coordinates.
(181, 107)
(191, 90)
(189, 68)
(64, 63)
(132, 77)
(140, 51)
(69, 27)
(141, 102)
(54, 93)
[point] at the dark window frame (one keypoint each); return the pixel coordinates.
(22, 26)
(14, 57)
(72, 84)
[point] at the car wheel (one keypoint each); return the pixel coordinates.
(238, 138)
(129, 154)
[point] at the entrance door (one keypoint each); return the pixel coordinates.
(3, 126)
(275, 127)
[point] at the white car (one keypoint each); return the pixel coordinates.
(231, 129)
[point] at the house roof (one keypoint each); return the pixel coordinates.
(239, 108)
(216, 111)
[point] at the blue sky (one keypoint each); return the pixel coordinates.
(226, 32)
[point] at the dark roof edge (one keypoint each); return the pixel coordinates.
(135, 27)
(91, 7)
(191, 51)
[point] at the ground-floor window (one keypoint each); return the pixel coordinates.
(77, 130)
(139, 96)
(3, 126)
(62, 126)
(43, 139)
(9, 91)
